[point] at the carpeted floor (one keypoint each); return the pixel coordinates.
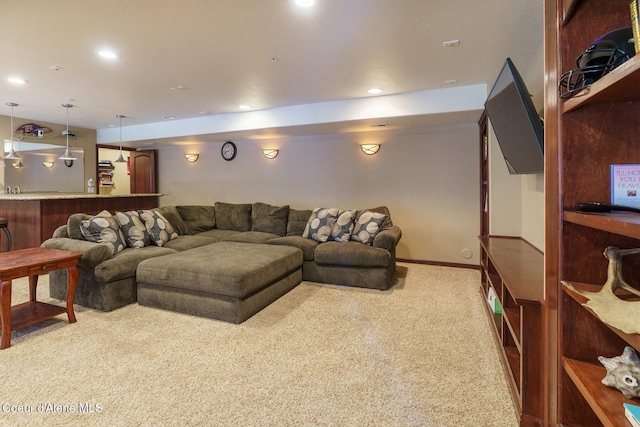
(420, 354)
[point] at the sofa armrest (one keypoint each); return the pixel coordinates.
(388, 238)
(92, 253)
(61, 232)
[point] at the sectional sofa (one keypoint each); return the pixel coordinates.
(345, 247)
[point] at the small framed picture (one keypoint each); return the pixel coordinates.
(625, 185)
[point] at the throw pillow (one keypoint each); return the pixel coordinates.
(297, 221)
(103, 228)
(367, 226)
(343, 227)
(269, 219)
(197, 218)
(320, 223)
(159, 229)
(172, 215)
(233, 216)
(134, 230)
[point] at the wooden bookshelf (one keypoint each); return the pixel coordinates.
(584, 136)
(515, 271)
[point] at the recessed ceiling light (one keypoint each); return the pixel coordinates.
(304, 3)
(55, 67)
(450, 82)
(16, 80)
(108, 54)
(374, 90)
(451, 43)
(169, 117)
(179, 88)
(244, 107)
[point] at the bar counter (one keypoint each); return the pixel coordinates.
(33, 217)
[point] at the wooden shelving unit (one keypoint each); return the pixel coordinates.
(105, 174)
(515, 271)
(584, 136)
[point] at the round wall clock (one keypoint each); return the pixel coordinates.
(229, 150)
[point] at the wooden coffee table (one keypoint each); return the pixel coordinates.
(32, 262)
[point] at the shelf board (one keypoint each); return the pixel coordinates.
(631, 339)
(32, 312)
(617, 86)
(606, 402)
(621, 223)
(513, 358)
(520, 265)
(512, 316)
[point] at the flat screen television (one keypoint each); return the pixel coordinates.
(516, 123)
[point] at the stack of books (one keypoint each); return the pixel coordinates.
(632, 412)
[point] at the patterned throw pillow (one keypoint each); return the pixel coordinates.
(159, 229)
(367, 227)
(343, 227)
(133, 228)
(320, 223)
(103, 228)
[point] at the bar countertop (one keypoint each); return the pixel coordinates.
(63, 196)
(33, 217)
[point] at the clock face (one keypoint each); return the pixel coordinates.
(228, 150)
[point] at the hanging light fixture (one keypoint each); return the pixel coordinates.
(67, 155)
(12, 155)
(120, 159)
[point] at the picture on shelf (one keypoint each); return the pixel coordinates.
(625, 183)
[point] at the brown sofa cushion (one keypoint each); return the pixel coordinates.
(352, 254)
(251, 237)
(297, 221)
(197, 218)
(172, 215)
(307, 246)
(233, 216)
(269, 219)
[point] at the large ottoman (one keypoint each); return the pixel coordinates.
(228, 281)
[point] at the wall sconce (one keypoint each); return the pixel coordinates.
(270, 153)
(370, 149)
(191, 157)
(18, 164)
(48, 164)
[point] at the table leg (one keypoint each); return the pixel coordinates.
(33, 284)
(72, 281)
(5, 313)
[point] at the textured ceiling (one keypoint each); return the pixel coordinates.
(264, 53)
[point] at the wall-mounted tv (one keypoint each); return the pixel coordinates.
(516, 123)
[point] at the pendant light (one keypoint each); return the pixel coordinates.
(12, 154)
(67, 155)
(120, 159)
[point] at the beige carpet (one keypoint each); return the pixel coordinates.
(420, 354)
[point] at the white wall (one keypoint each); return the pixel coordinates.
(517, 201)
(428, 179)
(34, 177)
